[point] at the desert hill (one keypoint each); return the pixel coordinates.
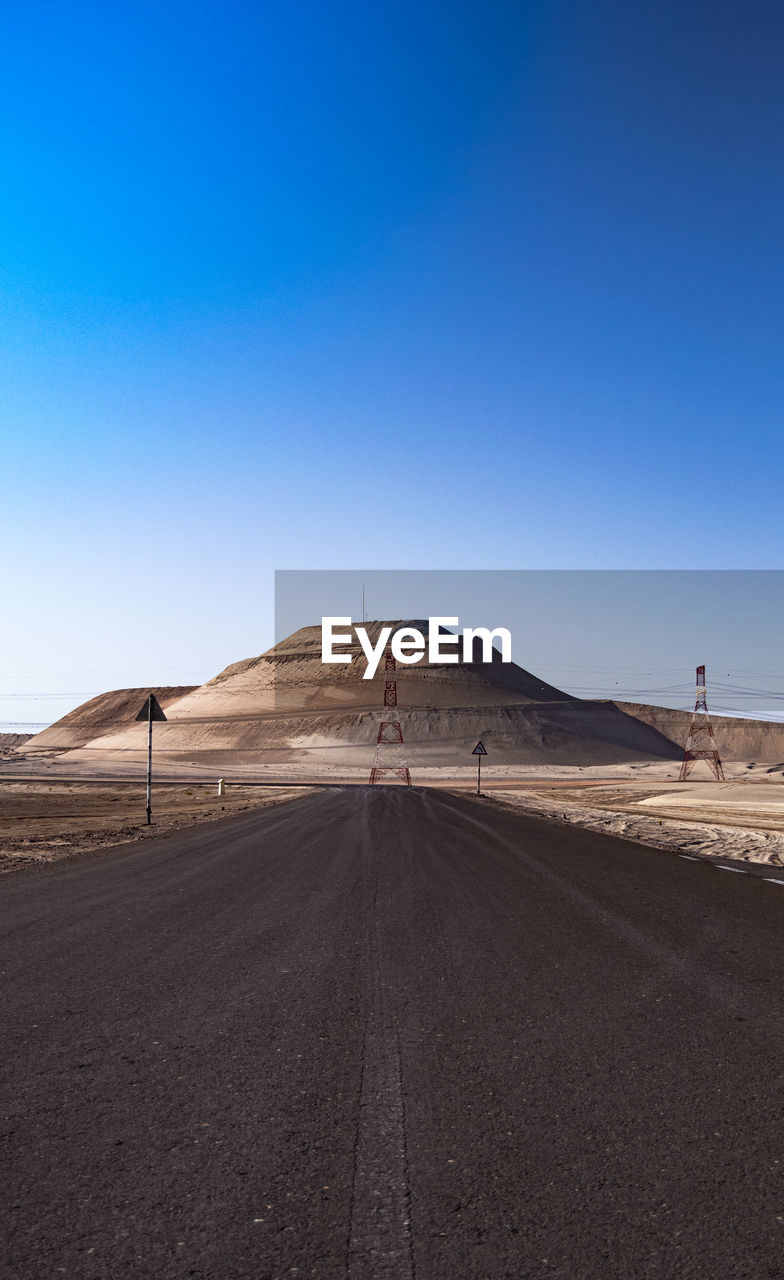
(286, 709)
(107, 711)
(736, 737)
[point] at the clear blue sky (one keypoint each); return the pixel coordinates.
(334, 285)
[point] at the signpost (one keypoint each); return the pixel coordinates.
(150, 711)
(479, 751)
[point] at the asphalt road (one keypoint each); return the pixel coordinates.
(391, 1034)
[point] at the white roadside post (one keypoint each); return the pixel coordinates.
(479, 751)
(151, 710)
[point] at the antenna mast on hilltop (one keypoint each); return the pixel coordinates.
(700, 743)
(390, 754)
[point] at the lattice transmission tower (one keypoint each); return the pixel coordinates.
(700, 742)
(390, 757)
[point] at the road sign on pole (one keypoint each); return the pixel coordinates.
(151, 710)
(479, 751)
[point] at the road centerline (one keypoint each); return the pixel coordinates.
(380, 1246)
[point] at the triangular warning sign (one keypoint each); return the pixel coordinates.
(479, 749)
(151, 710)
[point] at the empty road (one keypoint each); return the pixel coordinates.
(393, 1034)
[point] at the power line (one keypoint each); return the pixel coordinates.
(24, 724)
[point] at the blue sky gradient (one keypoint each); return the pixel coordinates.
(322, 286)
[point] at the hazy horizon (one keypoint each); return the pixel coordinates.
(426, 284)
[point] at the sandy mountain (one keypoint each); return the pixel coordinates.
(736, 737)
(287, 710)
(291, 677)
(286, 707)
(104, 713)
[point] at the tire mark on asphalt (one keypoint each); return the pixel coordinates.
(672, 965)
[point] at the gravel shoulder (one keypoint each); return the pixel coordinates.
(44, 822)
(709, 821)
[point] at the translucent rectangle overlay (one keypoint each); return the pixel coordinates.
(604, 664)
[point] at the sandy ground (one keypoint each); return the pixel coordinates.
(730, 820)
(48, 821)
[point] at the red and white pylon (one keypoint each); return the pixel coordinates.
(390, 757)
(700, 743)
